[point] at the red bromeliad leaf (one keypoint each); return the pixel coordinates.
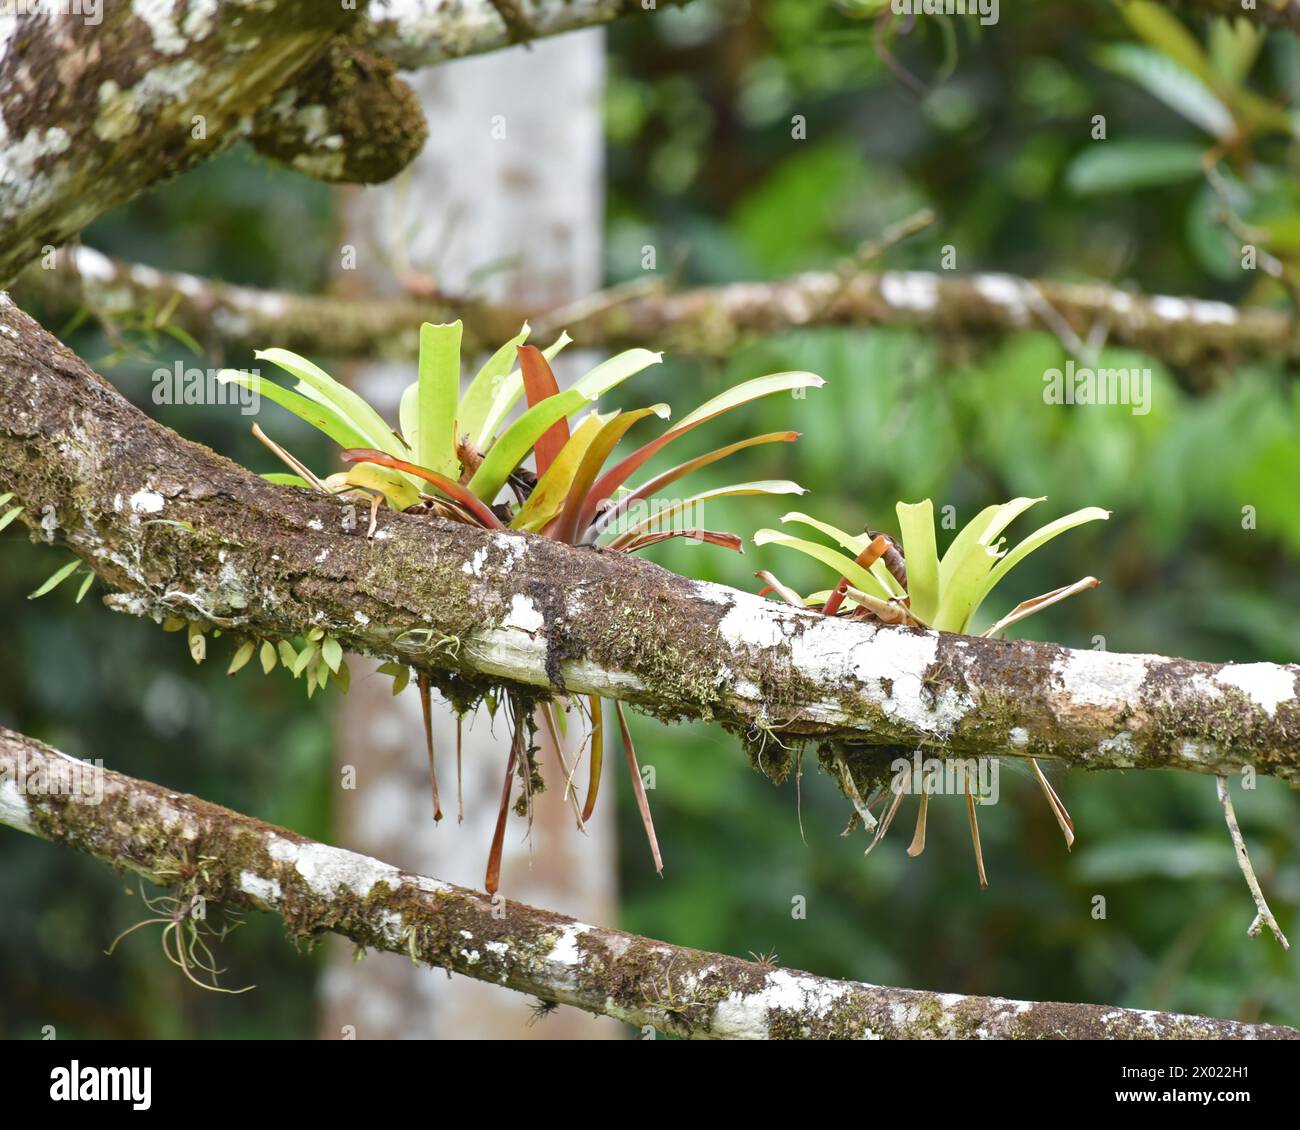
(743, 393)
(539, 384)
(712, 537)
(452, 489)
(667, 478)
(617, 475)
(566, 527)
(866, 559)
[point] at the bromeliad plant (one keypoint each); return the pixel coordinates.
(876, 582)
(460, 456)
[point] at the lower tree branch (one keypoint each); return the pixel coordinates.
(209, 852)
(703, 322)
(175, 530)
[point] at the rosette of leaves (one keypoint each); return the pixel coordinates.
(877, 581)
(462, 455)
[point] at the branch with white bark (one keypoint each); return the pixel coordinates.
(1269, 13)
(95, 113)
(211, 853)
(175, 530)
(423, 33)
(704, 321)
(350, 120)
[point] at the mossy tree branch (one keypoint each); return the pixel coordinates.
(95, 113)
(351, 120)
(175, 530)
(209, 852)
(1269, 13)
(422, 33)
(347, 120)
(704, 321)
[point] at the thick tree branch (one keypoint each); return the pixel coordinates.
(421, 33)
(348, 120)
(176, 840)
(706, 321)
(1270, 13)
(351, 120)
(179, 531)
(95, 113)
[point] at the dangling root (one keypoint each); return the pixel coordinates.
(460, 796)
(597, 756)
(553, 731)
(975, 834)
(492, 880)
(855, 797)
(638, 788)
(426, 708)
(918, 837)
(887, 821)
(1054, 802)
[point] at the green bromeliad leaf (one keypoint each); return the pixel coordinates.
(552, 488)
(321, 416)
(854, 544)
(846, 566)
(961, 578)
(285, 479)
(501, 394)
(517, 441)
(316, 384)
(946, 593)
(749, 390)
(1037, 539)
(662, 514)
(434, 442)
(490, 382)
(916, 525)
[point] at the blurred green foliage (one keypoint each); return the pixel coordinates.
(704, 168)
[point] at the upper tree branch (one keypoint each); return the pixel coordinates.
(351, 120)
(94, 114)
(177, 530)
(1270, 13)
(421, 33)
(176, 840)
(705, 321)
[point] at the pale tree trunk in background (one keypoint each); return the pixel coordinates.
(506, 199)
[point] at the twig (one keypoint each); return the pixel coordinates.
(142, 827)
(1263, 916)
